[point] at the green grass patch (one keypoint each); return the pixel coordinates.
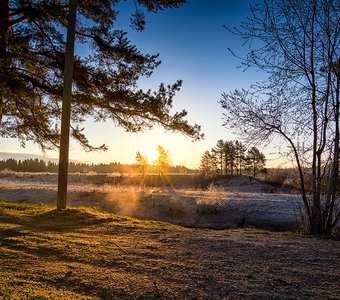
(22, 209)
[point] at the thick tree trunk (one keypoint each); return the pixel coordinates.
(66, 107)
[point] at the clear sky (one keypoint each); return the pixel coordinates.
(192, 44)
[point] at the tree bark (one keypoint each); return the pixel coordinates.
(66, 107)
(316, 224)
(332, 184)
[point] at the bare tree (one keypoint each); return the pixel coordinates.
(297, 43)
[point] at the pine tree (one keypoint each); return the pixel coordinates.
(219, 153)
(32, 46)
(230, 155)
(206, 165)
(142, 162)
(256, 160)
(163, 160)
(240, 150)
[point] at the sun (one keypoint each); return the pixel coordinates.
(152, 155)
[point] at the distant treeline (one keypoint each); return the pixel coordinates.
(39, 165)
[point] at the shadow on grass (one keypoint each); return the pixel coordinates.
(44, 232)
(39, 232)
(20, 223)
(44, 218)
(66, 220)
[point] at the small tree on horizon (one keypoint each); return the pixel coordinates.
(142, 162)
(219, 152)
(162, 162)
(206, 166)
(229, 156)
(255, 161)
(240, 150)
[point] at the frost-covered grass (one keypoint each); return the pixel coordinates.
(225, 206)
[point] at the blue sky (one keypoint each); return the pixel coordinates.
(192, 44)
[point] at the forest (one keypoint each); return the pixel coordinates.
(40, 165)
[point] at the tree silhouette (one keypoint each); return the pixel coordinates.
(219, 152)
(240, 150)
(297, 43)
(206, 165)
(162, 162)
(142, 162)
(255, 160)
(227, 155)
(230, 155)
(32, 61)
(66, 106)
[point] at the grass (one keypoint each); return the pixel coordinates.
(84, 253)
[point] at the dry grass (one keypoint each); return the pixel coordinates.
(236, 204)
(87, 254)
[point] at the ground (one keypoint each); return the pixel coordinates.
(93, 253)
(86, 254)
(235, 203)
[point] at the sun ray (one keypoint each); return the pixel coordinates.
(152, 155)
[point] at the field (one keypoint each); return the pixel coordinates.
(91, 252)
(230, 203)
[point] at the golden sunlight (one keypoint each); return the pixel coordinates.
(152, 155)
